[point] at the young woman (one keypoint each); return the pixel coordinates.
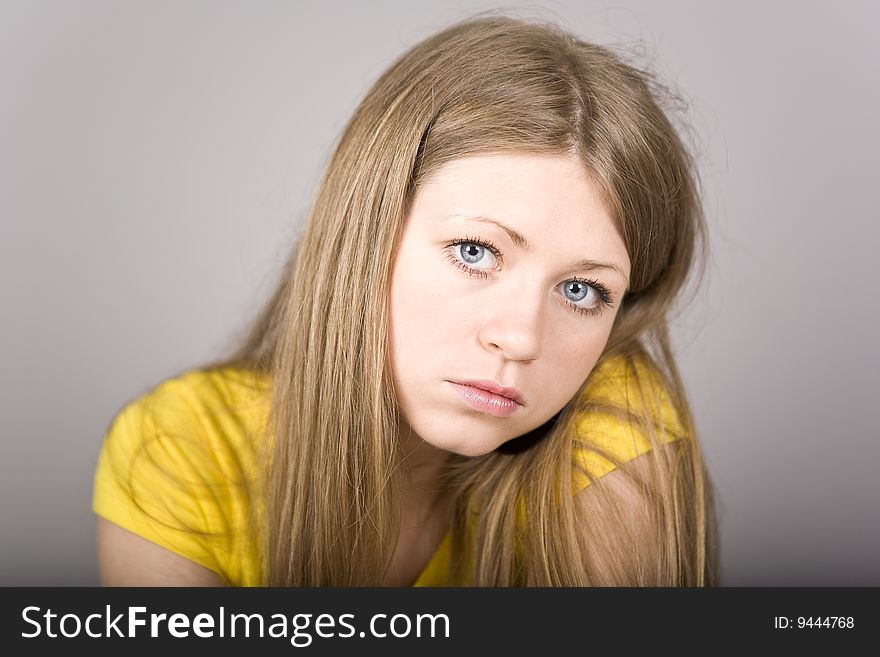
(465, 376)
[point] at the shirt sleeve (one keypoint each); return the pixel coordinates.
(605, 436)
(157, 476)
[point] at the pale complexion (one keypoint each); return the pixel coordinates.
(519, 316)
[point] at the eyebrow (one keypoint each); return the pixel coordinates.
(521, 242)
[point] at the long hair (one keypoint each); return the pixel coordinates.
(332, 484)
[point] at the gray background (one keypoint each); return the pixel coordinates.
(156, 159)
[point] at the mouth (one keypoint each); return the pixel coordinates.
(489, 397)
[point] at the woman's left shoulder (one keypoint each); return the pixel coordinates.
(626, 409)
(637, 386)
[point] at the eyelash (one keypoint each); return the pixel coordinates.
(604, 295)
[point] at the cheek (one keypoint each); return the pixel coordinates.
(427, 317)
(569, 359)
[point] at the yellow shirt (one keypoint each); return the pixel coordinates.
(194, 470)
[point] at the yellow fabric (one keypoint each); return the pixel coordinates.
(614, 385)
(181, 458)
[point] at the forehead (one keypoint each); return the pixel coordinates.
(549, 199)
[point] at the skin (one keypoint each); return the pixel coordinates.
(126, 559)
(512, 326)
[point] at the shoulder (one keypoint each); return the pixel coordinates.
(197, 411)
(177, 463)
(627, 409)
(634, 384)
(205, 394)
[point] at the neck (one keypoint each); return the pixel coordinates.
(421, 469)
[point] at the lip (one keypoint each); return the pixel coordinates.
(491, 386)
(489, 397)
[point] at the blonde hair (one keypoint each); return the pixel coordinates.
(332, 482)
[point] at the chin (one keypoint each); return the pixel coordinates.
(470, 448)
(473, 450)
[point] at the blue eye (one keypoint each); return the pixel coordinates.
(470, 252)
(474, 257)
(576, 291)
(467, 253)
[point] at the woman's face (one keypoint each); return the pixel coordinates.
(503, 277)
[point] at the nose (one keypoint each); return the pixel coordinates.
(515, 327)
